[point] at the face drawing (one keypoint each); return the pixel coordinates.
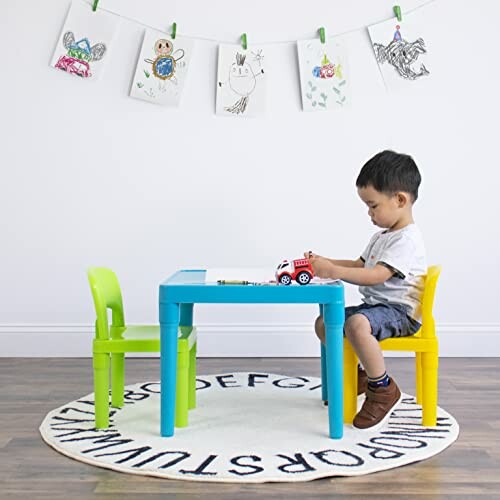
(241, 76)
(163, 47)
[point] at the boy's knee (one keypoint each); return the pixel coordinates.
(319, 328)
(357, 326)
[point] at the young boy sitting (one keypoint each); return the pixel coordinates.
(390, 277)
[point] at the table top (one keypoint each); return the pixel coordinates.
(189, 286)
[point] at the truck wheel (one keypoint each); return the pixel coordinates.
(285, 279)
(303, 278)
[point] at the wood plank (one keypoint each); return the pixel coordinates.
(29, 468)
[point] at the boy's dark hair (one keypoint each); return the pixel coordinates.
(390, 172)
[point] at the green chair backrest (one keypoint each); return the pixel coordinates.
(107, 295)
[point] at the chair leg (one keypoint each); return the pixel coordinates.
(101, 390)
(350, 383)
(117, 379)
(324, 380)
(181, 391)
(430, 363)
(192, 378)
(418, 376)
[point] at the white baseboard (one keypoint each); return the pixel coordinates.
(235, 340)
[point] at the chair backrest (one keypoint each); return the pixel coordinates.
(431, 279)
(107, 294)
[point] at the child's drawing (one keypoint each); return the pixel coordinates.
(164, 64)
(162, 68)
(76, 60)
(400, 52)
(401, 55)
(84, 41)
(241, 81)
(323, 75)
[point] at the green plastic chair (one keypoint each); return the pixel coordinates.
(112, 342)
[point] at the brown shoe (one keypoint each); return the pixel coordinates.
(377, 407)
(362, 383)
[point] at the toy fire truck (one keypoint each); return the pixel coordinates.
(299, 270)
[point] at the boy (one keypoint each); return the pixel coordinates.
(389, 273)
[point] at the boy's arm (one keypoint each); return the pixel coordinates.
(324, 268)
(348, 263)
(342, 262)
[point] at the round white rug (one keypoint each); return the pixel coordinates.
(247, 427)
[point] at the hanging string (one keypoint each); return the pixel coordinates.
(213, 40)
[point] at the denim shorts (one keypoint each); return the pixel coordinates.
(386, 320)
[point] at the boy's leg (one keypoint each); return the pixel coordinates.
(359, 333)
(319, 328)
(382, 393)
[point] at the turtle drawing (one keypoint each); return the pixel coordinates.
(242, 81)
(401, 55)
(165, 62)
(79, 55)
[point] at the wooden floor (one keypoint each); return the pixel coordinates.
(469, 389)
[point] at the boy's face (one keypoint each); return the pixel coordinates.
(384, 210)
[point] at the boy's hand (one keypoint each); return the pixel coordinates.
(323, 268)
(309, 255)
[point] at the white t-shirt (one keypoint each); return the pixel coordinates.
(403, 252)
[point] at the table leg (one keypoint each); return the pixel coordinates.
(324, 381)
(186, 315)
(187, 320)
(183, 387)
(169, 325)
(333, 316)
(324, 371)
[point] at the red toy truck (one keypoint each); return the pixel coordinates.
(299, 270)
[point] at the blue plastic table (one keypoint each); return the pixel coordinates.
(185, 288)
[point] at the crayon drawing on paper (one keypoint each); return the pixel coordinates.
(162, 68)
(241, 81)
(84, 43)
(401, 51)
(324, 78)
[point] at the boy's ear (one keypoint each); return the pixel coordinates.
(403, 199)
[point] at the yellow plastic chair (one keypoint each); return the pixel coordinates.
(112, 342)
(425, 346)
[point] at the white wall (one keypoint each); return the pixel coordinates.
(82, 184)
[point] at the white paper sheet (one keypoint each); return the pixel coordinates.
(85, 41)
(323, 281)
(252, 274)
(241, 81)
(162, 68)
(401, 49)
(324, 80)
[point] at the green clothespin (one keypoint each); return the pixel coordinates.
(322, 35)
(174, 30)
(397, 12)
(94, 7)
(244, 41)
